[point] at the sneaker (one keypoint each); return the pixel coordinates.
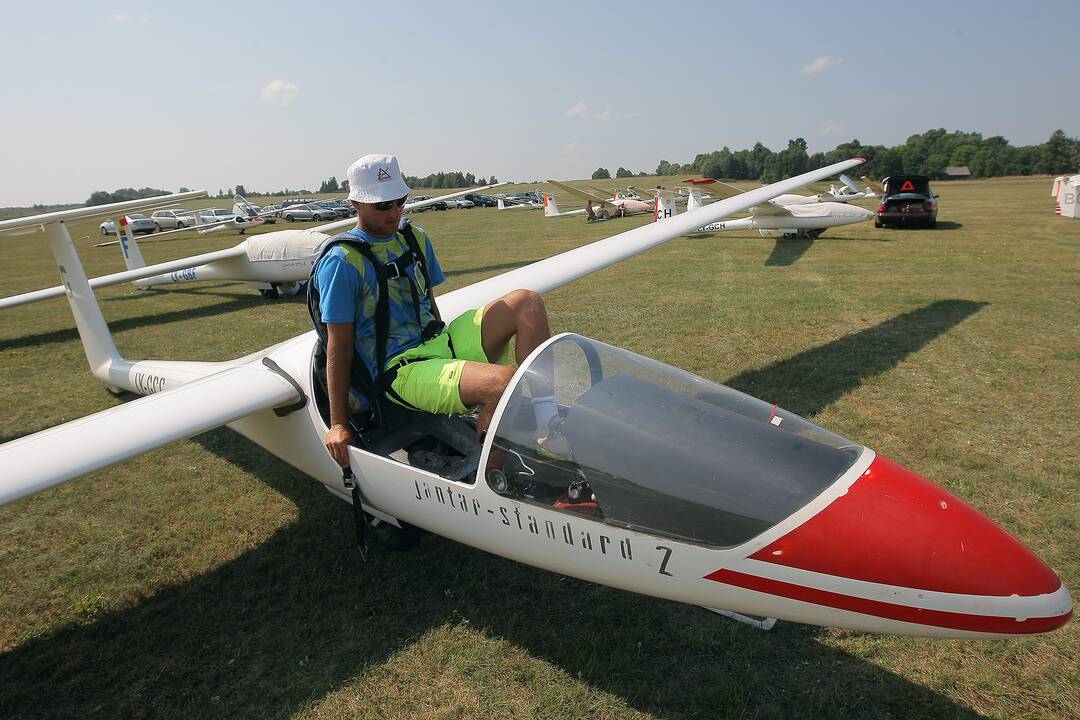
(554, 445)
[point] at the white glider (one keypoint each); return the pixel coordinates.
(272, 262)
(677, 487)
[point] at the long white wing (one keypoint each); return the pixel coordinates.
(53, 456)
(32, 223)
(572, 264)
(583, 194)
(32, 463)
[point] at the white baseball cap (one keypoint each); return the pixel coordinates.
(376, 178)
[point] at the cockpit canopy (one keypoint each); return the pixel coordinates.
(659, 450)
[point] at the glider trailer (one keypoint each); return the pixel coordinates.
(677, 487)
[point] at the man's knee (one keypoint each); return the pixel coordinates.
(526, 300)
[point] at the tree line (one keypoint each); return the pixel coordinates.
(927, 153)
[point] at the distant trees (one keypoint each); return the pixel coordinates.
(239, 190)
(330, 185)
(446, 180)
(927, 153)
(102, 197)
(623, 172)
(601, 174)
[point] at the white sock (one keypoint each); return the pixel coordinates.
(544, 410)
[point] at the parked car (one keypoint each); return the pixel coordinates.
(482, 200)
(138, 223)
(461, 203)
(214, 215)
(173, 219)
(301, 213)
(907, 200)
(291, 202)
(269, 214)
(333, 207)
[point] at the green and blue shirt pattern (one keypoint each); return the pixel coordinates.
(348, 291)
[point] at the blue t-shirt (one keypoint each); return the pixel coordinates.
(348, 292)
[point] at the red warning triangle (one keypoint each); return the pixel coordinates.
(383, 175)
(908, 186)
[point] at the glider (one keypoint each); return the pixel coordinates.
(676, 487)
(272, 262)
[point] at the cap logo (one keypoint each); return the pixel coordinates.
(383, 176)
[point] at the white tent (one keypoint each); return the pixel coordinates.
(1069, 197)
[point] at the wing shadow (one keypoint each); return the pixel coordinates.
(68, 334)
(809, 382)
(788, 252)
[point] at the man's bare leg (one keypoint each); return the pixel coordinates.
(522, 314)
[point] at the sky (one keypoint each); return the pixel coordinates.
(207, 95)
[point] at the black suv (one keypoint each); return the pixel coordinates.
(907, 200)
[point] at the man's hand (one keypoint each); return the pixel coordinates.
(337, 442)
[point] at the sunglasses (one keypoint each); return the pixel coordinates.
(387, 204)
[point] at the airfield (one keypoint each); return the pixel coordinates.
(209, 579)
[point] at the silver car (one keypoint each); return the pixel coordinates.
(138, 224)
(173, 219)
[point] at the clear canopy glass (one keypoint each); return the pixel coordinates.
(657, 449)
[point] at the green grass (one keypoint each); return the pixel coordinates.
(208, 579)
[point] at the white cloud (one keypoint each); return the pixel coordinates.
(279, 91)
(833, 129)
(125, 18)
(821, 64)
(581, 110)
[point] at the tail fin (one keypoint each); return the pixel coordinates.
(665, 205)
(101, 352)
(499, 204)
(850, 183)
(693, 202)
(242, 208)
(133, 258)
(551, 208)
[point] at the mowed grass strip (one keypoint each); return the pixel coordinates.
(209, 579)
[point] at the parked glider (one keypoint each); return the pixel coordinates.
(551, 208)
(786, 215)
(272, 262)
(617, 202)
(677, 487)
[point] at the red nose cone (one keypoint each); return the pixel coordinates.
(896, 528)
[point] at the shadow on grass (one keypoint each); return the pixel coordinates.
(297, 617)
(488, 268)
(941, 225)
(809, 382)
(239, 302)
(788, 252)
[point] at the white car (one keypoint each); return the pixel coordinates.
(138, 223)
(460, 203)
(213, 215)
(173, 219)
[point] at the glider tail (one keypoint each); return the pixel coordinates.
(665, 205)
(551, 208)
(101, 352)
(133, 258)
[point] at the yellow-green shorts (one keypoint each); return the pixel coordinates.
(433, 384)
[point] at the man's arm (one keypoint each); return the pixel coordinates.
(339, 355)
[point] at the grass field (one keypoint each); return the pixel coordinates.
(208, 579)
